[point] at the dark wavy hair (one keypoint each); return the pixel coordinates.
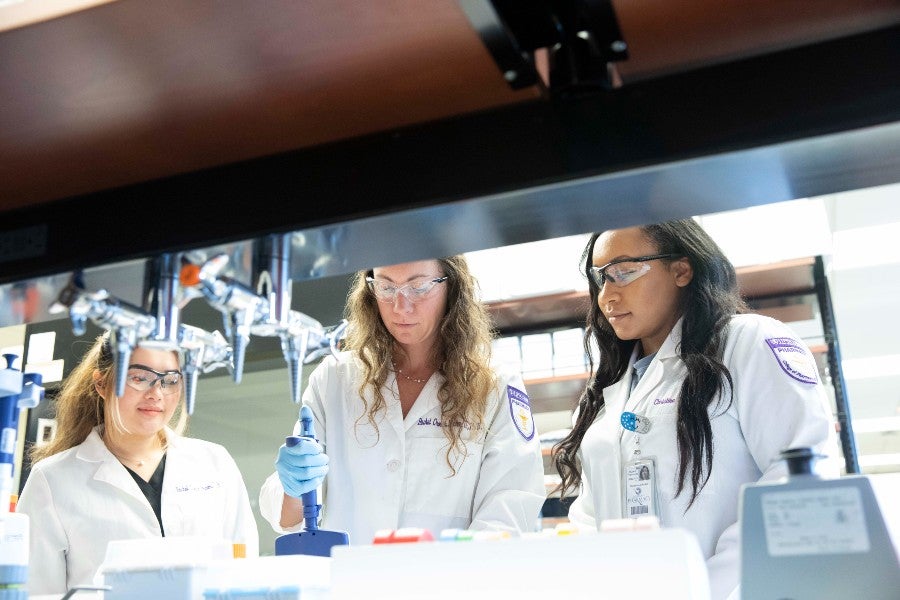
(707, 304)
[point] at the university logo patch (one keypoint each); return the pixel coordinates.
(794, 359)
(520, 411)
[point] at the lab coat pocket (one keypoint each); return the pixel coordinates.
(661, 441)
(432, 488)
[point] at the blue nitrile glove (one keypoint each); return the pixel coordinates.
(301, 468)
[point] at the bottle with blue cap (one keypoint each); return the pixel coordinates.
(17, 391)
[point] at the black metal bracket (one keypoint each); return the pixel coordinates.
(514, 61)
(582, 37)
(842, 402)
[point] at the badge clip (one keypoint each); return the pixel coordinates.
(634, 422)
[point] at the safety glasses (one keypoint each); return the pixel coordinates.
(414, 291)
(142, 378)
(623, 271)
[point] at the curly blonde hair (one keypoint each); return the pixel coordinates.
(80, 407)
(463, 353)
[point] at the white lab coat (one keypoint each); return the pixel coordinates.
(398, 476)
(771, 411)
(81, 499)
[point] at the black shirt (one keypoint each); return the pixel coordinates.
(153, 489)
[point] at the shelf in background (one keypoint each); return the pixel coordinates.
(536, 312)
(555, 393)
(793, 276)
(785, 278)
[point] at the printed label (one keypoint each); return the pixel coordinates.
(809, 522)
(8, 441)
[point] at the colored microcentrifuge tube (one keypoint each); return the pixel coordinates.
(566, 529)
(481, 536)
(402, 535)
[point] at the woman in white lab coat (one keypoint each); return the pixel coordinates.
(117, 470)
(419, 430)
(691, 398)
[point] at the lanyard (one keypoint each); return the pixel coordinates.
(632, 420)
(638, 477)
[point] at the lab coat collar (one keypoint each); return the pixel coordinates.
(393, 413)
(110, 470)
(93, 449)
(666, 352)
(615, 393)
(670, 347)
(426, 402)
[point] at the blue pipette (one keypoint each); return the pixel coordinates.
(312, 540)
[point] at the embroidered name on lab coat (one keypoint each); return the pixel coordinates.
(520, 411)
(435, 422)
(199, 487)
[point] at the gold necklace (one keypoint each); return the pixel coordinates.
(122, 459)
(135, 461)
(407, 377)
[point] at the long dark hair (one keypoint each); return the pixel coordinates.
(707, 304)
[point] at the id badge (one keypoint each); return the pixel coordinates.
(639, 481)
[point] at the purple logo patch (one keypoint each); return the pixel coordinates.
(520, 411)
(793, 359)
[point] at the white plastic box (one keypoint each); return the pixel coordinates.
(270, 578)
(537, 355)
(174, 568)
(202, 569)
(507, 353)
(569, 357)
(634, 565)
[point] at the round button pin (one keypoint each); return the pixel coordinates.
(634, 422)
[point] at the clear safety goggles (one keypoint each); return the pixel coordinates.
(142, 378)
(414, 291)
(623, 271)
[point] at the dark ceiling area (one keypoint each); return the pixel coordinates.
(131, 130)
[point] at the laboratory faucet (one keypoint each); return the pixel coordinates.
(203, 352)
(127, 324)
(161, 289)
(131, 326)
(266, 311)
(240, 306)
(295, 329)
